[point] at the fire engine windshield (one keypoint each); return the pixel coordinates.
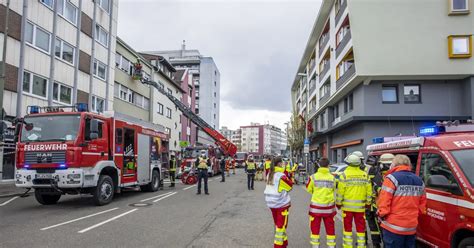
(465, 160)
(50, 128)
(240, 155)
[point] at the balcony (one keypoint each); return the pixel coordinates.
(344, 78)
(312, 112)
(312, 65)
(343, 43)
(324, 99)
(324, 72)
(323, 43)
(312, 87)
(341, 11)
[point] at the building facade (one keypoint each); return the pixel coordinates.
(206, 78)
(359, 79)
(262, 139)
(57, 53)
(188, 128)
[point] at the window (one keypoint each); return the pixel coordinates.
(459, 7)
(324, 90)
(125, 65)
(215, 105)
(389, 94)
(351, 102)
(336, 111)
(67, 10)
(64, 51)
(97, 105)
(34, 84)
(215, 94)
(170, 91)
(460, 46)
(434, 164)
(411, 93)
(37, 37)
(101, 35)
(105, 5)
(62, 93)
(48, 3)
(123, 92)
(99, 69)
(118, 59)
(168, 113)
(343, 31)
(160, 108)
(346, 105)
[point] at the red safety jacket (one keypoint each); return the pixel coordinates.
(402, 198)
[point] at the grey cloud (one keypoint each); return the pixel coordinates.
(256, 45)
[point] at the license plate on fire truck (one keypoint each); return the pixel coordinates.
(44, 176)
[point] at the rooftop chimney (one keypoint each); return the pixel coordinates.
(183, 48)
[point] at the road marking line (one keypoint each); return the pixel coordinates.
(189, 187)
(81, 218)
(151, 198)
(107, 221)
(159, 199)
(5, 203)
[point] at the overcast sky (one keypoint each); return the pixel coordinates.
(257, 46)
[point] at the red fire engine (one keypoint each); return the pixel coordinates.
(443, 157)
(74, 152)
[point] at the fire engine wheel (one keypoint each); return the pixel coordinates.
(104, 192)
(467, 242)
(191, 180)
(154, 185)
(46, 199)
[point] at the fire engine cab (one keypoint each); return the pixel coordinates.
(74, 152)
(443, 156)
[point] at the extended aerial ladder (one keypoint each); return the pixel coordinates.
(227, 147)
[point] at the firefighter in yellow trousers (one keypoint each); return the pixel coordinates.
(354, 195)
(322, 185)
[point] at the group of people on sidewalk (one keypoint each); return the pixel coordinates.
(388, 195)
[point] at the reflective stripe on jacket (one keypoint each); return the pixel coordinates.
(276, 195)
(173, 165)
(354, 190)
(202, 163)
(401, 199)
(251, 166)
(321, 186)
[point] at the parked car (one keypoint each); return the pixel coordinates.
(337, 169)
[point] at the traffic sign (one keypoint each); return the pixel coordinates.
(306, 141)
(306, 148)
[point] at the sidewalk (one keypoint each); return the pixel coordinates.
(8, 189)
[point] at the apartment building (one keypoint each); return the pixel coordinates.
(236, 138)
(359, 79)
(188, 128)
(58, 52)
(262, 139)
(206, 78)
(226, 132)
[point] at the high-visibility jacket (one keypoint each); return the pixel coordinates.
(279, 169)
(276, 195)
(288, 168)
(268, 163)
(251, 165)
(321, 185)
(295, 167)
(354, 190)
(202, 163)
(173, 165)
(402, 198)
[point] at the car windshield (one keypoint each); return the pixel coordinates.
(332, 168)
(465, 160)
(240, 155)
(50, 128)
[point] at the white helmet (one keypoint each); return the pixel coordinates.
(358, 154)
(352, 160)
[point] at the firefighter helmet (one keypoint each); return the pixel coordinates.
(358, 154)
(386, 158)
(353, 160)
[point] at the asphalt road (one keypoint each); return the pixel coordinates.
(231, 216)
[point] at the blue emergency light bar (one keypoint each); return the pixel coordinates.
(431, 130)
(33, 109)
(378, 140)
(79, 107)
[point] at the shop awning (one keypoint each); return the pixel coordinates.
(346, 144)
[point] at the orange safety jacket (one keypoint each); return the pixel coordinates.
(401, 199)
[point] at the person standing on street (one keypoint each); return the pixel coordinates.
(354, 195)
(202, 164)
(250, 168)
(222, 167)
(268, 163)
(278, 200)
(322, 185)
(402, 199)
(172, 170)
(259, 174)
(376, 174)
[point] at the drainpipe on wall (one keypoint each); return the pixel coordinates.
(52, 54)
(21, 67)
(109, 55)
(91, 78)
(76, 65)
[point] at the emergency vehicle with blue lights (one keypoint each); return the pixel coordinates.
(62, 151)
(443, 156)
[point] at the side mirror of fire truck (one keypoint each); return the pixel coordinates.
(442, 183)
(94, 129)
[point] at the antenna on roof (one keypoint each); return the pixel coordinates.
(183, 48)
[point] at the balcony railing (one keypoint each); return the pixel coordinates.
(345, 77)
(312, 88)
(323, 44)
(323, 99)
(312, 64)
(324, 72)
(341, 11)
(343, 43)
(312, 112)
